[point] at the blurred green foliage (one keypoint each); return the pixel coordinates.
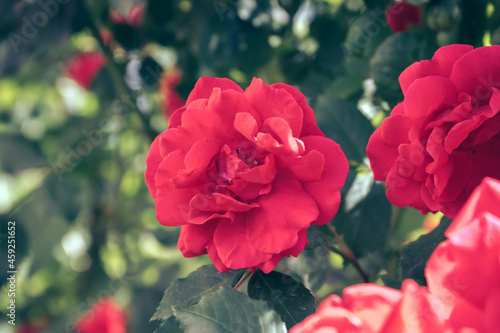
(72, 160)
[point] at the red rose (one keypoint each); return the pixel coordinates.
(464, 271)
(104, 317)
(399, 15)
(84, 66)
(370, 308)
(245, 173)
(170, 98)
(443, 139)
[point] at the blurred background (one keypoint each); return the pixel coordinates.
(86, 85)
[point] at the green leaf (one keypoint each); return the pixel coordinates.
(342, 122)
(364, 215)
(284, 294)
(171, 325)
(415, 255)
(228, 311)
(188, 291)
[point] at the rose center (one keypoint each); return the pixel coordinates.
(233, 161)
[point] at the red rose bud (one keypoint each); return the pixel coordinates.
(84, 66)
(370, 308)
(464, 271)
(444, 138)
(170, 98)
(400, 15)
(245, 173)
(135, 16)
(106, 36)
(104, 317)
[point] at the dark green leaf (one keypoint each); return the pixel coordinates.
(364, 215)
(345, 124)
(171, 325)
(391, 58)
(365, 34)
(415, 255)
(228, 311)
(188, 291)
(289, 298)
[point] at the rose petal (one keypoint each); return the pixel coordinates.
(441, 64)
(234, 248)
(205, 86)
(326, 191)
(373, 304)
(415, 312)
(309, 121)
(269, 102)
(228, 104)
(153, 161)
(171, 203)
(261, 174)
(195, 239)
(485, 198)
(196, 163)
(230, 204)
(273, 227)
(477, 77)
(381, 155)
(246, 125)
(308, 167)
(439, 94)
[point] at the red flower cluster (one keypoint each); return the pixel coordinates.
(83, 67)
(463, 275)
(400, 15)
(444, 138)
(245, 173)
(104, 317)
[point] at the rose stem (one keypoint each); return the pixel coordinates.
(346, 253)
(243, 280)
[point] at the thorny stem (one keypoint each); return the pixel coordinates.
(115, 72)
(346, 253)
(249, 273)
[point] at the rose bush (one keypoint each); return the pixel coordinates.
(443, 139)
(103, 317)
(464, 271)
(370, 308)
(245, 173)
